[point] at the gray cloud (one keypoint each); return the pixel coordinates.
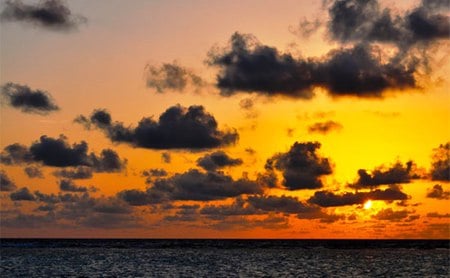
(6, 184)
(324, 127)
(28, 100)
(178, 128)
(301, 166)
(440, 168)
(50, 14)
(171, 76)
(79, 172)
(22, 194)
(437, 192)
(70, 186)
(33, 172)
(217, 160)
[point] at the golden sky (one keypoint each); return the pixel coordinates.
(225, 119)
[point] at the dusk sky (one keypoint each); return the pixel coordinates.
(225, 119)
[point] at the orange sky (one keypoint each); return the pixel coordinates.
(309, 127)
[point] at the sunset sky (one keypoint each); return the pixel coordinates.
(225, 119)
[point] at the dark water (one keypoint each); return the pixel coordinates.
(224, 258)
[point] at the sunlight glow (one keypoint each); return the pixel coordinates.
(368, 204)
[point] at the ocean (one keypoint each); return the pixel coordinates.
(223, 258)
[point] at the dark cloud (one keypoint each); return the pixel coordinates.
(361, 20)
(178, 128)
(440, 168)
(166, 157)
(284, 204)
(271, 222)
(50, 14)
(216, 160)
(6, 184)
(22, 194)
(301, 166)
(324, 127)
(186, 213)
(154, 173)
(330, 199)
(70, 186)
(268, 179)
(28, 100)
(33, 172)
(16, 154)
(398, 173)
(438, 215)
(306, 27)
(192, 185)
(220, 212)
(58, 153)
(437, 192)
(171, 77)
(80, 172)
(389, 214)
(249, 66)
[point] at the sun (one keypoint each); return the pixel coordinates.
(368, 204)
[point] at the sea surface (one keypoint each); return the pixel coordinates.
(223, 258)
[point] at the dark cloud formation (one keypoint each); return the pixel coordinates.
(398, 173)
(58, 153)
(50, 14)
(284, 204)
(217, 160)
(171, 77)
(178, 128)
(330, 199)
(437, 192)
(154, 173)
(438, 215)
(440, 169)
(248, 66)
(192, 185)
(80, 172)
(220, 212)
(324, 127)
(70, 186)
(301, 166)
(16, 154)
(166, 157)
(22, 194)
(6, 184)
(30, 101)
(33, 172)
(391, 215)
(361, 20)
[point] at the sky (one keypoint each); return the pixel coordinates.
(225, 119)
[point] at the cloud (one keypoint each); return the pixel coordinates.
(192, 185)
(22, 194)
(154, 173)
(177, 128)
(398, 173)
(33, 172)
(270, 222)
(284, 204)
(354, 20)
(50, 14)
(437, 192)
(68, 185)
(248, 66)
(6, 184)
(166, 157)
(438, 215)
(58, 153)
(330, 199)
(440, 168)
(28, 100)
(324, 127)
(216, 160)
(220, 212)
(301, 166)
(389, 214)
(79, 172)
(171, 77)
(16, 154)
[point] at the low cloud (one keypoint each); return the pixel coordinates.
(440, 168)
(58, 153)
(49, 14)
(69, 186)
(217, 160)
(33, 172)
(27, 100)
(391, 215)
(171, 76)
(177, 128)
(330, 199)
(80, 172)
(324, 127)
(437, 192)
(22, 194)
(6, 184)
(301, 166)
